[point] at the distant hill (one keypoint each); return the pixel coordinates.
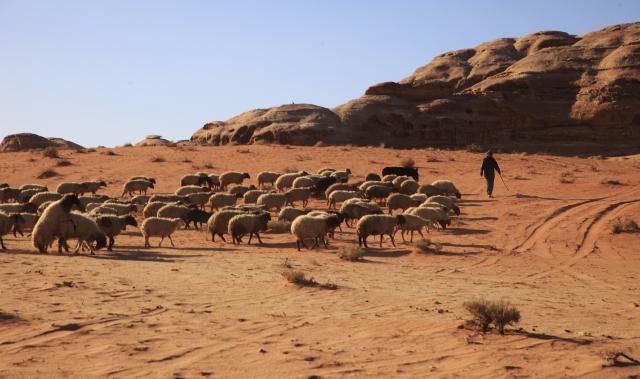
(29, 141)
(545, 89)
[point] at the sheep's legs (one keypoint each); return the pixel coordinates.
(381, 237)
(146, 242)
(2, 244)
(111, 242)
(393, 242)
(161, 239)
(259, 240)
(421, 235)
(170, 240)
(402, 234)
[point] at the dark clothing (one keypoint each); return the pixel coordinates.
(489, 165)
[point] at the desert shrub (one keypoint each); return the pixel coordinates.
(157, 158)
(475, 148)
(427, 246)
(479, 309)
(300, 279)
(279, 227)
(64, 163)
(350, 253)
(8, 317)
(209, 165)
(613, 182)
(597, 157)
(288, 170)
(243, 151)
(90, 150)
(110, 152)
(408, 163)
(433, 159)
(519, 177)
(624, 225)
(127, 144)
(499, 313)
(49, 173)
(51, 152)
(187, 160)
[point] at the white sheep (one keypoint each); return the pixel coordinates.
(285, 181)
(378, 225)
(338, 187)
(298, 194)
(414, 223)
(112, 226)
(186, 190)
(429, 190)
(214, 181)
(198, 179)
(409, 187)
(26, 195)
(71, 187)
(397, 182)
(339, 196)
(159, 227)
(30, 221)
(354, 209)
(200, 199)
(7, 194)
(363, 187)
(218, 223)
(250, 197)
(289, 213)
(18, 208)
(419, 197)
(140, 199)
(232, 177)
(377, 192)
(147, 178)
(173, 211)
(389, 178)
(305, 181)
(336, 217)
(400, 201)
(311, 227)
(446, 201)
(151, 209)
(56, 215)
(341, 176)
(167, 198)
(86, 200)
(84, 229)
(446, 187)
(43, 197)
(437, 216)
(121, 209)
(272, 200)
(325, 170)
(34, 186)
(251, 224)
(94, 186)
(9, 223)
(240, 190)
(267, 177)
(219, 200)
(137, 185)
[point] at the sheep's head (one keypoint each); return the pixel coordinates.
(246, 175)
(151, 184)
(130, 220)
(456, 209)
(69, 200)
(444, 223)
(102, 183)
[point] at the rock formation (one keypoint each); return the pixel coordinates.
(154, 140)
(28, 141)
(547, 88)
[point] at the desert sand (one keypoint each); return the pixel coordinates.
(212, 309)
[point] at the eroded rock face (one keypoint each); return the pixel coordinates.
(295, 124)
(154, 140)
(544, 88)
(28, 141)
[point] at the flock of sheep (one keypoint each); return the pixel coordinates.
(75, 211)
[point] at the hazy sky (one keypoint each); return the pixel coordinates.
(109, 72)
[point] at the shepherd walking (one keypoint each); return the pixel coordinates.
(489, 166)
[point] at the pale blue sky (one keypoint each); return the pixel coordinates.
(109, 72)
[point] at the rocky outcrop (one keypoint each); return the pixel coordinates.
(154, 140)
(295, 124)
(548, 88)
(29, 141)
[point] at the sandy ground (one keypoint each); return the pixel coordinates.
(207, 309)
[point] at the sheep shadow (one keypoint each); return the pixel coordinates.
(139, 255)
(383, 253)
(470, 245)
(467, 231)
(481, 218)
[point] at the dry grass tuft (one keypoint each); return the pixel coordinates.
(432, 159)
(51, 152)
(243, 151)
(427, 246)
(50, 173)
(187, 160)
(288, 170)
(351, 253)
(567, 177)
(64, 163)
(624, 225)
(300, 279)
(90, 150)
(500, 313)
(519, 177)
(209, 165)
(8, 317)
(613, 182)
(279, 227)
(408, 163)
(157, 159)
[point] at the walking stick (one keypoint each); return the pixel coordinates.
(505, 184)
